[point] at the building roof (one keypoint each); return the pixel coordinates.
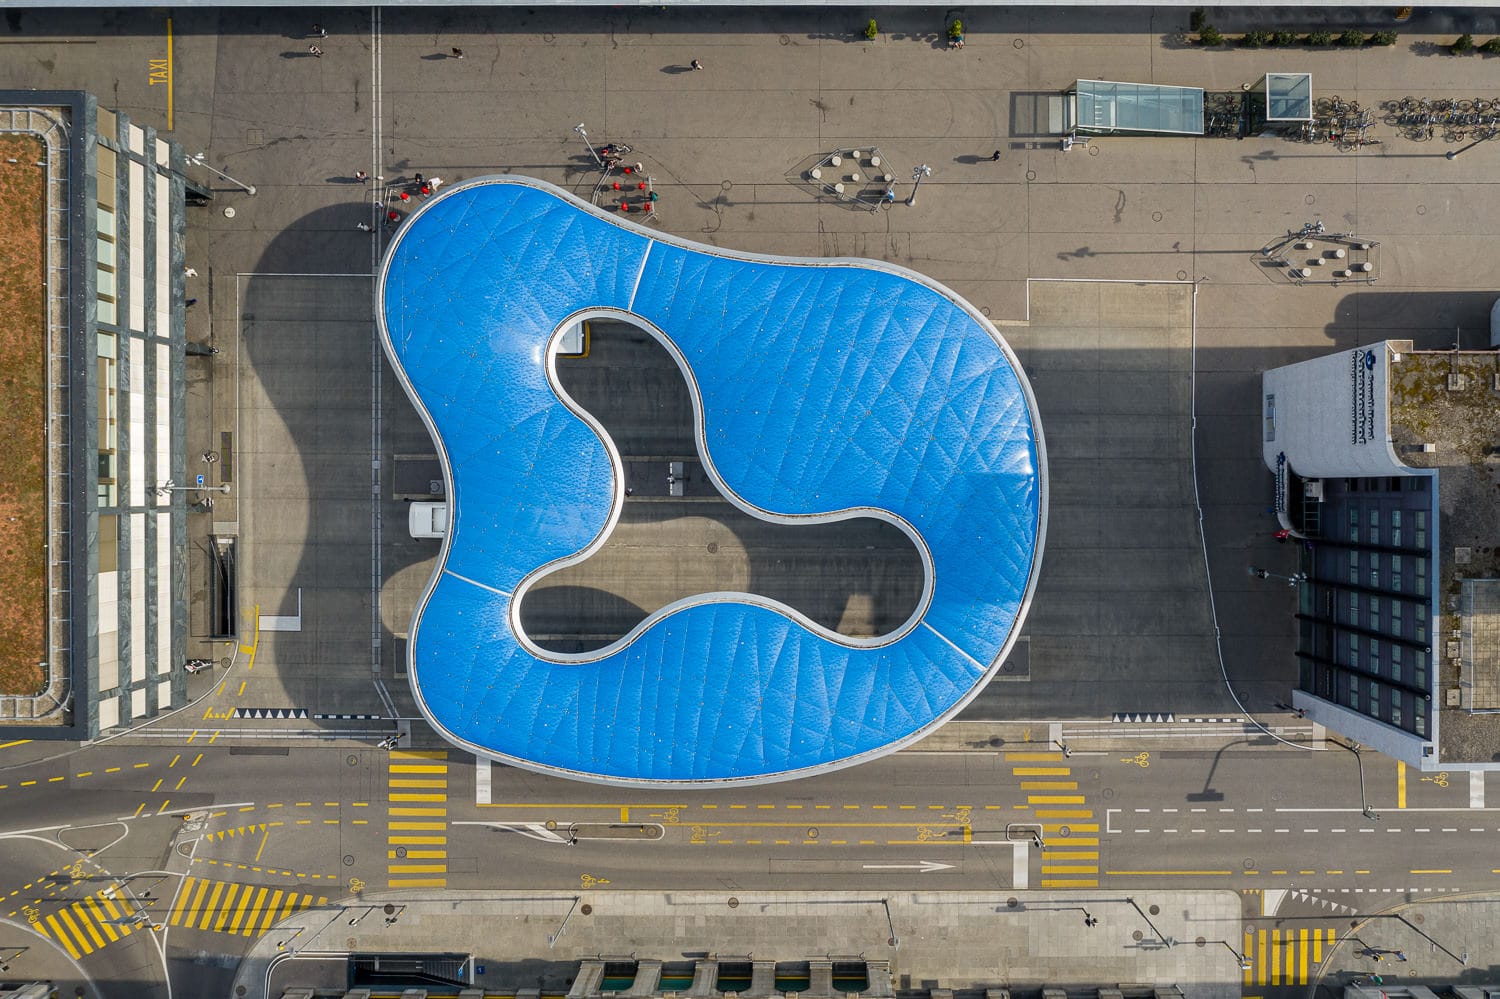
(824, 388)
(1445, 399)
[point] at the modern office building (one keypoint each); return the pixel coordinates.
(1381, 460)
(109, 349)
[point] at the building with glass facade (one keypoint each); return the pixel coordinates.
(113, 218)
(1379, 458)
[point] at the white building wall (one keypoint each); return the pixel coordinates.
(1330, 416)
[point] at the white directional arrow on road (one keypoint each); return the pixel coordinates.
(925, 866)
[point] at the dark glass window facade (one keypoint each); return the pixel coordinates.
(1365, 610)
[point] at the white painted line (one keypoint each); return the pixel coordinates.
(640, 273)
(1169, 831)
(481, 781)
(1020, 865)
(1476, 788)
(1109, 819)
(277, 622)
(475, 582)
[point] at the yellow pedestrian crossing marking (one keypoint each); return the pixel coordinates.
(1285, 957)
(244, 910)
(1064, 865)
(417, 789)
(90, 924)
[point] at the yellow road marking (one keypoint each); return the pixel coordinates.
(418, 768)
(1070, 855)
(271, 910)
(68, 920)
(188, 884)
(418, 855)
(1047, 785)
(62, 937)
(213, 900)
(417, 811)
(265, 836)
(229, 899)
(419, 754)
(18, 742)
(417, 796)
(429, 782)
(1055, 799)
(101, 918)
(1442, 870)
(260, 898)
(1400, 784)
(420, 840)
(418, 826)
(1075, 883)
(418, 882)
(1042, 771)
(88, 924)
(1158, 873)
(417, 869)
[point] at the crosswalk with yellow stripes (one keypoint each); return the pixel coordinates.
(1071, 857)
(232, 907)
(417, 819)
(88, 925)
(1285, 957)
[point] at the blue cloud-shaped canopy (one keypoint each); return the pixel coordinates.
(823, 385)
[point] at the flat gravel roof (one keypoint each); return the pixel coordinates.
(825, 388)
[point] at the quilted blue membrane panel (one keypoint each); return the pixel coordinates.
(824, 386)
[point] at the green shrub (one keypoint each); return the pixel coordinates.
(1320, 38)
(1284, 38)
(1491, 47)
(956, 29)
(1464, 43)
(872, 29)
(1352, 39)
(1256, 39)
(1196, 20)
(1210, 36)
(1385, 38)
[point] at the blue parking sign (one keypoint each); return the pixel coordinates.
(200, 480)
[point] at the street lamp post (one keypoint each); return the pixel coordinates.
(917, 173)
(171, 487)
(1292, 580)
(1452, 154)
(592, 151)
(1364, 802)
(200, 159)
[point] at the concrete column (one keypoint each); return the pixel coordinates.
(762, 980)
(590, 977)
(705, 979)
(819, 978)
(647, 979)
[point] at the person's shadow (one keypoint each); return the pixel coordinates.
(675, 70)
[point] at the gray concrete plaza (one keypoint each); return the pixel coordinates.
(1126, 626)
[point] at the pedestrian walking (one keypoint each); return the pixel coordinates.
(696, 64)
(457, 53)
(318, 31)
(189, 272)
(435, 183)
(190, 303)
(362, 226)
(995, 156)
(361, 176)
(416, 179)
(315, 51)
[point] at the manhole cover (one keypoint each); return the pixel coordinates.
(348, 860)
(734, 903)
(401, 852)
(713, 548)
(1018, 43)
(1200, 942)
(1109, 793)
(1031, 175)
(1156, 216)
(1182, 275)
(1310, 200)
(388, 908)
(586, 909)
(785, 40)
(352, 760)
(1248, 863)
(1065, 832)
(351, 942)
(1093, 150)
(812, 833)
(229, 212)
(239, 990)
(1137, 936)
(551, 824)
(1155, 910)
(1012, 902)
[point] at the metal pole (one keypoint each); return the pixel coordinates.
(199, 159)
(552, 940)
(890, 923)
(1461, 960)
(1452, 154)
(917, 173)
(171, 487)
(1365, 808)
(592, 151)
(1159, 935)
